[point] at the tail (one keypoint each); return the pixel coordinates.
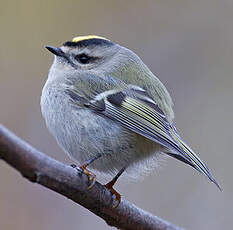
(187, 155)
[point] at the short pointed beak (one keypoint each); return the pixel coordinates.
(55, 50)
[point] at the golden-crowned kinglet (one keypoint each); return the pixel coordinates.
(109, 112)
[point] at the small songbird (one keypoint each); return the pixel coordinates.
(109, 112)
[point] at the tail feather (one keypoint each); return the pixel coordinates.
(187, 155)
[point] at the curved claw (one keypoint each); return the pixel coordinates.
(114, 192)
(73, 166)
(91, 177)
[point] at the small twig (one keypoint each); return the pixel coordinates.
(63, 179)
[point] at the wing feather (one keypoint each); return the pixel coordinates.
(137, 112)
(139, 117)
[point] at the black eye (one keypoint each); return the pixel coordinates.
(83, 58)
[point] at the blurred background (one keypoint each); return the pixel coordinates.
(188, 44)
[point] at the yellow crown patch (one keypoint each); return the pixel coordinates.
(81, 38)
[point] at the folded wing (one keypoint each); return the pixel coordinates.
(135, 110)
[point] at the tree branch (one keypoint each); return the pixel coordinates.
(41, 169)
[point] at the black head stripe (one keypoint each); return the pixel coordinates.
(89, 42)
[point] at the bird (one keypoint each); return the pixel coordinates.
(110, 113)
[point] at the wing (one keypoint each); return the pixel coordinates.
(136, 111)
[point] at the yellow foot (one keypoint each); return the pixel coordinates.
(91, 176)
(114, 192)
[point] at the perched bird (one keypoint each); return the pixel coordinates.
(109, 112)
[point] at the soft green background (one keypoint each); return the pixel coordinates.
(188, 44)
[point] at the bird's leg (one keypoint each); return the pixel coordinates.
(110, 184)
(91, 176)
